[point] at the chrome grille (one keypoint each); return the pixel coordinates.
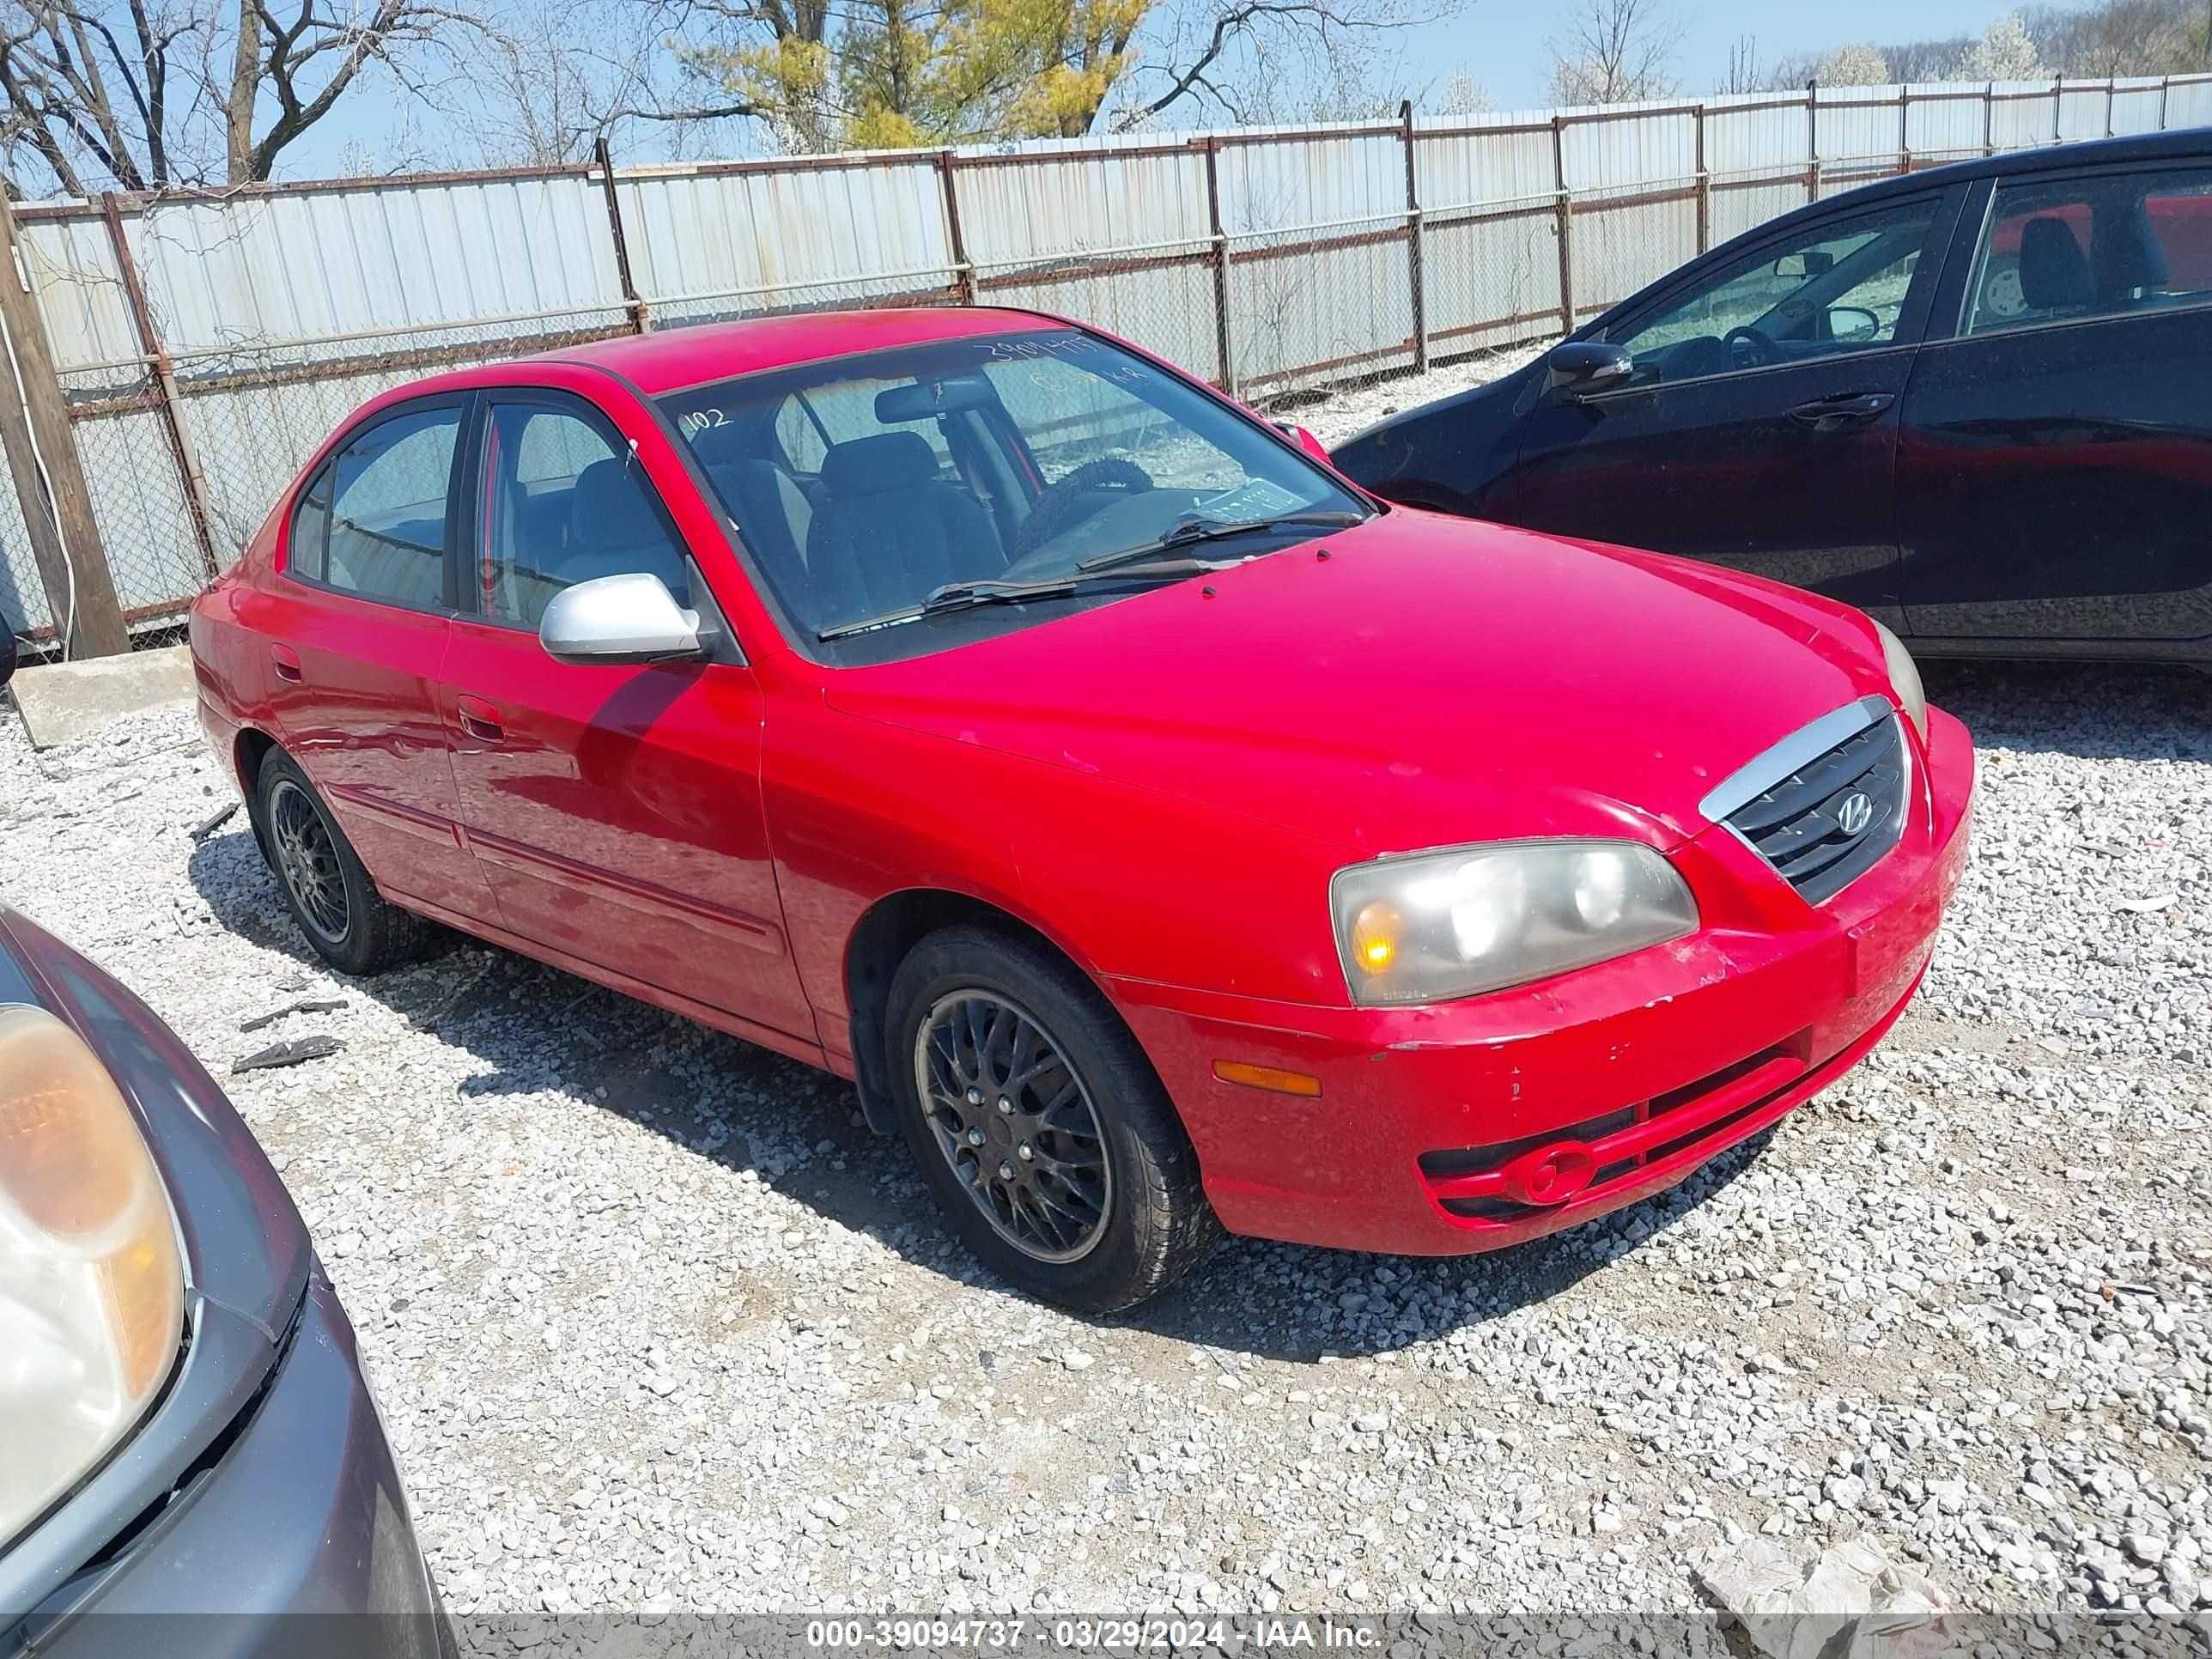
(1825, 822)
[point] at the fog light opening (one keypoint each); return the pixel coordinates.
(1550, 1175)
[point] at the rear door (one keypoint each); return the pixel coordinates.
(2055, 473)
(1759, 429)
(615, 808)
(356, 640)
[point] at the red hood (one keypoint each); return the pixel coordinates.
(1431, 681)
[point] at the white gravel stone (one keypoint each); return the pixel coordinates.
(641, 1341)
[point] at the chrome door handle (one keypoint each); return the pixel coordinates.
(479, 720)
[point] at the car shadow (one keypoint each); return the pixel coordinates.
(534, 1028)
(2090, 710)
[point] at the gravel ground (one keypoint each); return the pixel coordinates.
(1344, 414)
(657, 1324)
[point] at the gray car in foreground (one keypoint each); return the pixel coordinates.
(189, 1459)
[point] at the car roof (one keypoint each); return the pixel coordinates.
(669, 359)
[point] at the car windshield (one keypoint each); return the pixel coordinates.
(1035, 469)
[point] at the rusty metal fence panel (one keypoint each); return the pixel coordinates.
(22, 595)
(707, 244)
(1119, 236)
(206, 345)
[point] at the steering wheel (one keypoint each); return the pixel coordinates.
(1761, 350)
(1053, 510)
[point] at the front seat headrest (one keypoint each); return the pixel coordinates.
(889, 461)
(608, 509)
(2054, 272)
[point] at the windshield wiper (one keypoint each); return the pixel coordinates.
(1191, 529)
(966, 595)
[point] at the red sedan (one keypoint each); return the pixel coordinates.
(1164, 835)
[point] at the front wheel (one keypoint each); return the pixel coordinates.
(1039, 1125)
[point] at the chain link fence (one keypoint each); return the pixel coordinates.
(206, 346)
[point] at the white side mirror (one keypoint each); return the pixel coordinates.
(632, 618)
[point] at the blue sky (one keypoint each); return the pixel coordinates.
(1502, 45)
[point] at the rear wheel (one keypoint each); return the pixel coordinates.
(1040, 1127)
(330, 895)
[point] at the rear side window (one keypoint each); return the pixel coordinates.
(308, 551)
(2064, 249)
(373, 522)
(564, 502)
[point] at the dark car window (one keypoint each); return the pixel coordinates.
(2056, 249)
(385, 535)
(1837, 286)
(863, 484)
(563, 502)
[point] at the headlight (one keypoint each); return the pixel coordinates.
(1904, 679)
(1440, 925)
(92, 1290)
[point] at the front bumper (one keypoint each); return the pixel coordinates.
(1438, 1128)
(294, 1538)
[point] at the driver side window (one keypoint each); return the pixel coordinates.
(1834, 287)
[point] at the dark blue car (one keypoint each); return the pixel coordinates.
(1970, 401)
(189, 1459)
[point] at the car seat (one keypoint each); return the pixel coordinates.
(2054, 272)
(890, 529)
(613, 529)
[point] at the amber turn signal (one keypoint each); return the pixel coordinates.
(1270, 1078)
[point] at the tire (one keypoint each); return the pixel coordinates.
(2002, 296)
(1093, 1241)
(324, 881)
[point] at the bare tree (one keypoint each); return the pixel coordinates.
(548, 94)
(2121, 37)
(1613, 52)
(1257, 60)
(1743, 73)
(145, 94)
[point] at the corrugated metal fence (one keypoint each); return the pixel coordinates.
(205, 344)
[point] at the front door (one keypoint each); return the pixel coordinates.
(1759, 428)
(2055, 477)
(616, 809)
(357, 641)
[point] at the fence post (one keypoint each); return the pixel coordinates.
(1704, 186)
(1812, 143)
(1413, 242)
(194, 482)
(1904, 128)
(640, 321)
(2058, 108)
(1989, 119)
(2112, 89)
(1225, 360)
(34, 427)
(2164, 86)
(963, 273)
(1564, 208)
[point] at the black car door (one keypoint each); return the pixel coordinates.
(1759, 427)
(2055, 463)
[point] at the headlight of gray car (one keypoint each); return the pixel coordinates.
(1904, 679)
(1426, 926)
(92, 1288)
